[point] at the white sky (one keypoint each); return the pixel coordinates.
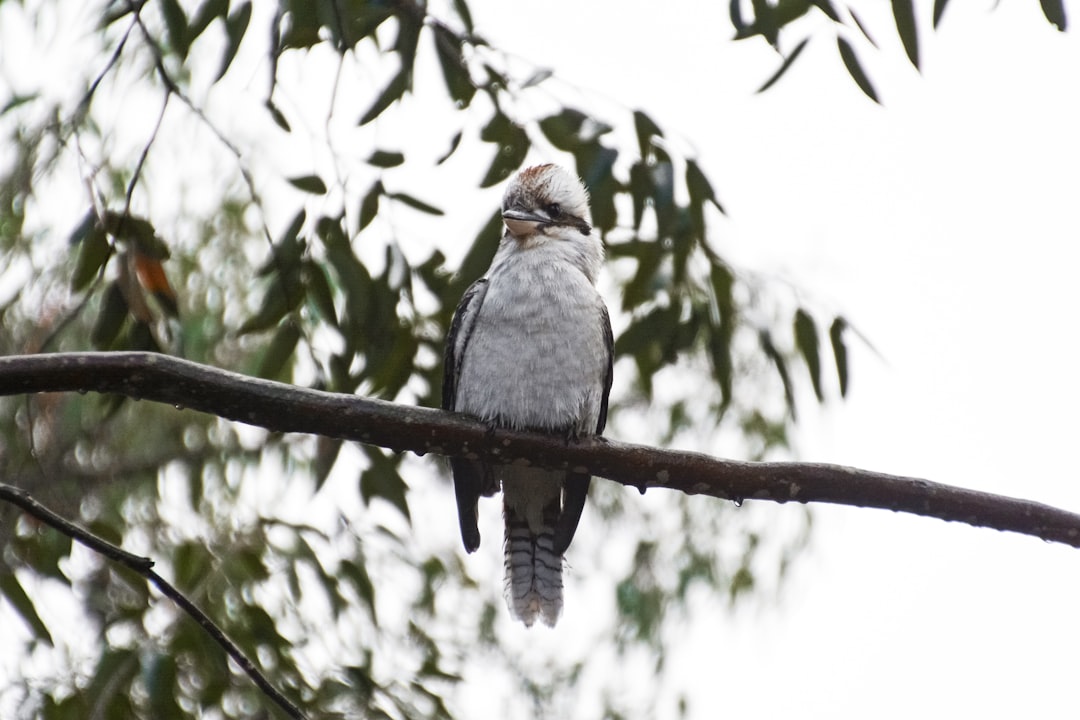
(945, 226)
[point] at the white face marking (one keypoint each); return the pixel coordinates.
(546, 200)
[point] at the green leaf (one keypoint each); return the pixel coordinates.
(641, 190)
(454, 142)
(735, 12)
(382, 480)
(209, 11)
(177, 25)
(663, 181)
(595, 164)
(826, 7)
(904, 15)
(289, 238)
(513, 147)
(235, 27)
(84, 227)
(318, 291)
(408, 37)
(641, 288)
(356, 573)
(286, 252)
(94, 251)
(159, 680)
(462, 10)
(303, 26)
(806, 339)
(459, 82)
(939, 10)
(788, 61)
(139, 337)
(539, 76)
(366, 19)
(851, 62)
(309, 183)
(13, 591)
(764, 23)
(840, 353)
(275, 305)
(767, 346)
(18, 100)
(279, 352)
(326, 454)
(699, 187)
(391, 362)
(306, 555)
(386, 159)
(356, 282)
(111, 684)
(499, 128)
(722, 328)
(278, 116)
(651, 340)
(111, 316)
(369, 206)
(564, 129)
(862, 28)
(415, 204)
(646, 130)
(392, 92)
(191, 564)
(1054, 10)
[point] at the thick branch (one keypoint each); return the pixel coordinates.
(287, 408)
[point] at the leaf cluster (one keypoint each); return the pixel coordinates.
(769, 20)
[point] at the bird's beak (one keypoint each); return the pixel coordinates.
(521, 223)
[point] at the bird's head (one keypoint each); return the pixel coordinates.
(546, 202)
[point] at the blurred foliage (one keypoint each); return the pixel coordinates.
(768, 20)
(138, 214)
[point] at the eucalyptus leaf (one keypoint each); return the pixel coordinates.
(851, 62)
(806, 339)
(904, 15)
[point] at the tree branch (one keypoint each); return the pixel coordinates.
(143, 566)
(286, 408)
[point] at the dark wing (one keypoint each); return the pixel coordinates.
(471, 479)
(576, 487)
(609, 349)
(460, 330)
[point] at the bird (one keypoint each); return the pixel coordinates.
(530, 348)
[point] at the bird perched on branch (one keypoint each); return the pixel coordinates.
(530, 348)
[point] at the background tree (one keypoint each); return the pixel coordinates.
(352, 294)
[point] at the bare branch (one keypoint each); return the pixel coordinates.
(143, 566)
(287, 408)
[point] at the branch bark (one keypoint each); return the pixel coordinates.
(286, 408)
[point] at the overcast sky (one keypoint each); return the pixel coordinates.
(944, 225)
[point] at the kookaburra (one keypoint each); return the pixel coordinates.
(530, 348)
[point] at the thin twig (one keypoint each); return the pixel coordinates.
(143, 155)
(173, 88)
(144, 567)
(84, 104)
(223, 640)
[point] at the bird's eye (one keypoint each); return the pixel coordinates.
(553, 210)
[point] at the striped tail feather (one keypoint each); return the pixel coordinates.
(533, 569)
